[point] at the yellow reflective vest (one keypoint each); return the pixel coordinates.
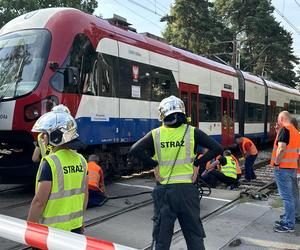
(230, 168)
(64, 209)
(167, 141)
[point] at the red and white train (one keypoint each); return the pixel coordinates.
(112, 79)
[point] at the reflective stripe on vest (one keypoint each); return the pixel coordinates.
(238, 168)
(230, 168)
(61, 192)
(167, 141)
(253, 149)
(179, 177)
(64, 208)
(291, 153)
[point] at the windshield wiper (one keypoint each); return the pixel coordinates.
(5, 92)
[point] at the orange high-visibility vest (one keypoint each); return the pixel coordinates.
(95, 175)
(238, 168)
(298, 170)
(207, 166)
(291, 154)
(253, 149)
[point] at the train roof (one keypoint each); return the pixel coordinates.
(41, 19)
(282, 87)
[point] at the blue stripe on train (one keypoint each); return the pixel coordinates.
(115, 130)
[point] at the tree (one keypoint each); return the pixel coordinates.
(192, 25)
(12, 9)
(266, 46)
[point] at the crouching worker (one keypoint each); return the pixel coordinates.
(96, 182)
(223, 170)
(61, 184)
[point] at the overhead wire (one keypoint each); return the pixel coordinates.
(144, 7)
(297, 3)
(287, 21)
(141, 16)
(163, 6)
(160, 7)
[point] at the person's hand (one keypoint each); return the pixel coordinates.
(194, 177)
(204, 173)
(158, 177)
(82, 229)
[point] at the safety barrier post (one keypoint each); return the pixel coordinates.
(43, 237)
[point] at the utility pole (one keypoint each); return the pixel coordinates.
(236, 55)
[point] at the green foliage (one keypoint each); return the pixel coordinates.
(265, 46)
(192, 25)
(14, 8)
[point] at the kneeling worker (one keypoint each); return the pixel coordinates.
(61, 183)
(227, 173)
(96, 182)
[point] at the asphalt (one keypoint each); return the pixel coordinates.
(132, 228)
(244, 226)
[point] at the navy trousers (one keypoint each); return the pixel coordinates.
(214, 176)
(249, 172)
(177, 201)
(96, 198)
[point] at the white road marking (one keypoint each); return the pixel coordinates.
(214, 198)
(132, 185)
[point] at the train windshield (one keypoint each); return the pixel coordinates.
(23, 55)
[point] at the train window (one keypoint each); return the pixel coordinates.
(253, 112)
(272, 114)
(134, 80)
(294, 107)
(104, 75)
(81, 56)
(210, 108)
(278, 110)
(163, 84)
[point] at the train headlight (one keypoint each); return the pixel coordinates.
(35, 110)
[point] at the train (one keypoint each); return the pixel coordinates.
(112, 80)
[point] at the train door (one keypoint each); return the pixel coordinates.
(272, 120)
(189, 94)
(227, 119)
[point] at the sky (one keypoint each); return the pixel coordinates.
(144, 15)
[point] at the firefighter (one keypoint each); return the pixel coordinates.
(173, 148)
(285, 156)
(61, 184)
(96, 182)
(249, 151)
(43, 148)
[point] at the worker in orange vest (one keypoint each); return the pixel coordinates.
(208, 164)
(284, 159)
(226, 171)
(296, 182)
(249, 151)
(96, 182)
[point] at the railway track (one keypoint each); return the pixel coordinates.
(14, 188)
(263, 183)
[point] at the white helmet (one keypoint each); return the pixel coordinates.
(60, 126)
(61, 108)
(170, 105)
